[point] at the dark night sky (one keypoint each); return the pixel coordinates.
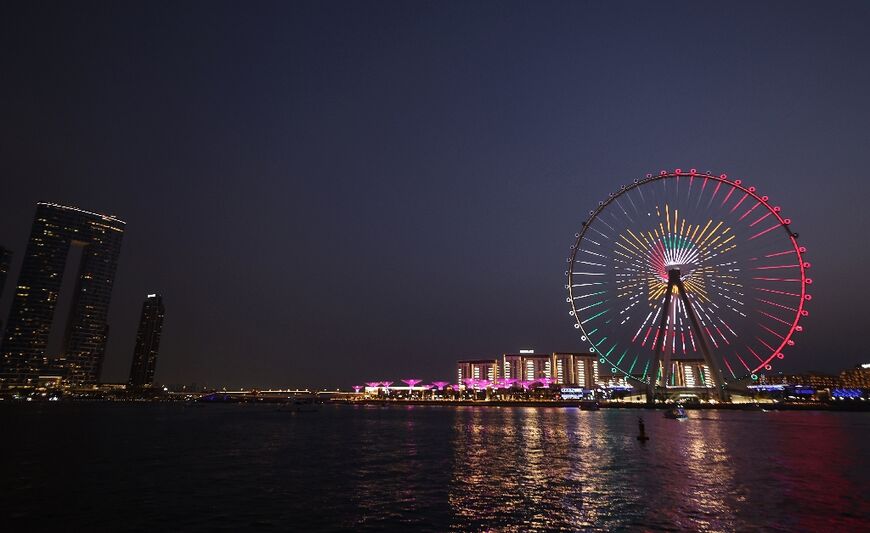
(327, 193)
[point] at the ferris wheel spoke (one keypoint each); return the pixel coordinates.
(715, 191)
(768, 230)
(774, 291)
(759, 219)
(596, 254)
(742, 362)
(740, 201)
(728, 366)
(701, 194)
(606, 224)
(775, 334)
(777, 254)
(727, 196)
(748, 211)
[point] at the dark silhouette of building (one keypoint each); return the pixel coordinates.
(147, 342)
(5, 262)
(56, 229)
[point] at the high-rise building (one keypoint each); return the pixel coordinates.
(147, 342)
(56, 229)
(5, 261)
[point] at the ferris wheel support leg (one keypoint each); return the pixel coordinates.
(721, 392)
(660, 340)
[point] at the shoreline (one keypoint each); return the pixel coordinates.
(861, 407)
(844, 406)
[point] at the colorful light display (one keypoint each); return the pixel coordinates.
(740, 280)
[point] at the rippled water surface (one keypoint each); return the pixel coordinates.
(238, 467)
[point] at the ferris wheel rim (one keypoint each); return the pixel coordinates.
(737, 184)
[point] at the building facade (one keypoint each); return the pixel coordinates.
(147, 342)
(56, 229)
(587, 372)
(578, 369)
(691, 373)
(858, 377)
(477, 369)
(527, 366)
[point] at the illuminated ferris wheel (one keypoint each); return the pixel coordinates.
(689, 266)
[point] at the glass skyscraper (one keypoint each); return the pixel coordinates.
(5, 263)
(147, 342)
(5, 260)
(56, 229)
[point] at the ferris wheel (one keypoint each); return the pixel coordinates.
(687, 265)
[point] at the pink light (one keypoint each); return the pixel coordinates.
(440, 384)
(526, 384)
(373, 384)
(411, 382)
(357, 388)
(483, 383)
(509, 381)
(386, 384)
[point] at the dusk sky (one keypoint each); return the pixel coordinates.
(327, 193)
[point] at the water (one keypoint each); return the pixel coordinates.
(144, 467)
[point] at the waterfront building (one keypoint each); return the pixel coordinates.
(587, 373)
(691, 373)
(147, 342)
(56, 230)
(527, 366)
(579, 369)
(564, 371)
(512, 366)
(858, 377)
(477, 369)
(810, 379)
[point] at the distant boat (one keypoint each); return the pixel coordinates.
(676, 413)
(589, 405)
(301, 404)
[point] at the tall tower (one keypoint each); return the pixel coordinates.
(56, 229)
(5, 262)
(147, 342)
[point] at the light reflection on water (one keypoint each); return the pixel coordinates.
(200, 468)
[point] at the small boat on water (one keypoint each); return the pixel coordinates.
(589, 405)
(302, 404)
(677, 413)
